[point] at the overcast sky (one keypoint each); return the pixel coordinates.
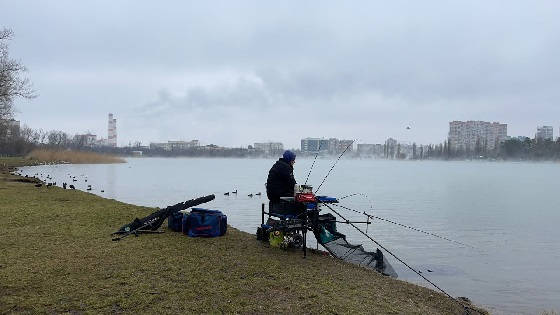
(234, 72)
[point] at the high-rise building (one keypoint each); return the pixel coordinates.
(175, 145)
(333, 145)
(86, 140)
(269, 147)
(314, 145)
(545, 133)
(470, 135)
(112, 131)
(347, 145)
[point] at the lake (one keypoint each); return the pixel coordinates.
(508, 212)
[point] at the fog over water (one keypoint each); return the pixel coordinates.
(509, 213)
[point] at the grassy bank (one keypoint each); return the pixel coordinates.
(74, 157)
(8, 163)
(57, 256)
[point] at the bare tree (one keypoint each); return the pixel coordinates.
(12, 82)
(57, 138)
(28, 135)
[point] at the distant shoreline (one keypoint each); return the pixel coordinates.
(308, 157)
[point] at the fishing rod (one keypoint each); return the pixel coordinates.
(351, 195)
(402, 261)
(369, 201)
(152, 222)
(141, 230)
(315, 159)
(405, 226)
(351, 143)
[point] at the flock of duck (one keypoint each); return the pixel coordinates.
(249, 195)
(48, 181)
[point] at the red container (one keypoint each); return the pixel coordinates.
(308, 197)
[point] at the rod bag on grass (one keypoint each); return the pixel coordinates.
(153, 221)
(204, 223)
(175, 221)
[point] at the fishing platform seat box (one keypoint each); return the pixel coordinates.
(175, 221)
(204, 223)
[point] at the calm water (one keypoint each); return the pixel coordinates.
(509, 212)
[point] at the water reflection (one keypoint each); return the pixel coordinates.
(110, 189)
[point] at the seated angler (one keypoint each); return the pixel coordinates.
(280, 183)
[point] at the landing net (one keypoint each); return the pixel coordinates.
(335, 242)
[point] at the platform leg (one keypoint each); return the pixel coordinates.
(304, 243)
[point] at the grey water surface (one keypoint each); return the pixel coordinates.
(508, 212)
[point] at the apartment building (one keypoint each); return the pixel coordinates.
(467, 135)
(312, 145)
(545, 133)
(174, 145)
(269, 147)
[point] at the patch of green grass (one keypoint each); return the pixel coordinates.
(11, 162)
(57, 256)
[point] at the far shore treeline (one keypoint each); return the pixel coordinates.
(28, 140)
(74, 157)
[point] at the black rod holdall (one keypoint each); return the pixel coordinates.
(152, 222)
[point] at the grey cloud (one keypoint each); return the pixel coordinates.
(242, 94)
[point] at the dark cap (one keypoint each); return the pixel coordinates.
(289, 156)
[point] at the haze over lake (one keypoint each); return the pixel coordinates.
(509, 213)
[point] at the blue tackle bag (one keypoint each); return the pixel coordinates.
(175, 221)
(205, 223)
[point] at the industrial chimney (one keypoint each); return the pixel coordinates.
(112, 132)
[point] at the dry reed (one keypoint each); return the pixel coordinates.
(74, 157)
